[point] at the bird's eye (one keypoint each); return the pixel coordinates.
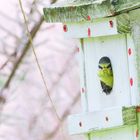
(100, 67)
(109, 66)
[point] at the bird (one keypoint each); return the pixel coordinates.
(105, 74)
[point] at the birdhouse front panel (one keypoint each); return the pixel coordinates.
(109, 82)
(115, 48)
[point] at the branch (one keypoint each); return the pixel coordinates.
(9, 32)
(4, 64)
(24, 52)
(64, 116)
(53, 1)
(7, 17)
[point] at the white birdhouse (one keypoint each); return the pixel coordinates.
(109, 57)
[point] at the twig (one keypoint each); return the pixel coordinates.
(24, 52)
(37, 62)
(64, 116)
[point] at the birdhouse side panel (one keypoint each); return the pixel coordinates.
(133, 71)
(135, 25)
(81, 61)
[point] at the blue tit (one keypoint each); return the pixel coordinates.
(105, 74)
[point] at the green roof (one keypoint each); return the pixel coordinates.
(82, 10)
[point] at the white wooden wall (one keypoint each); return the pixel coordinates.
(115, 48)
(101, 111)
(91, 29)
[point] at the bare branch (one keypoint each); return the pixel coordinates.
(24, 52)
(9, 32)
(3, 65)
(64, 116)
(8, 17)
(53, 1)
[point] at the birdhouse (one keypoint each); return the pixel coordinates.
(108, 33)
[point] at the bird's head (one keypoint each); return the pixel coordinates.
(105, 65)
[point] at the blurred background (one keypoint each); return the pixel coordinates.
(26, 112)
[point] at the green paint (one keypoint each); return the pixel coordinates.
(129, 115)
(135, 23)
(123, 23)
(78, 10)
(138, 124)
(75, 12)
(126, 5)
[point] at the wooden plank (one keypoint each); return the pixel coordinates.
(123, 23)
(131, 53)
(135, 23)
(129, 115)
(98, 27)
(127, 5)
(81, 60)
(101, 120)
(77, 12)
(82, 10)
